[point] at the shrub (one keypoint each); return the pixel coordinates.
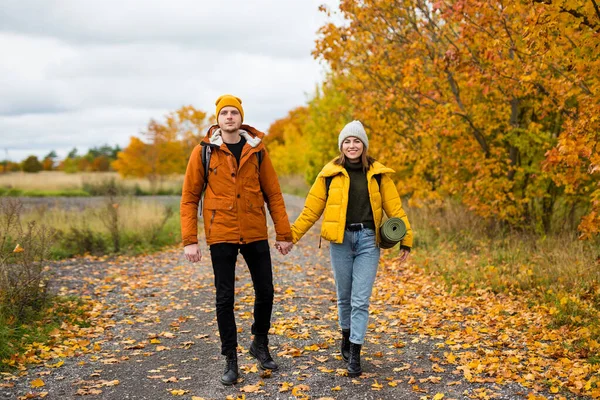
(23, 251)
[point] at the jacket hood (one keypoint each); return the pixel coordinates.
(253, 136)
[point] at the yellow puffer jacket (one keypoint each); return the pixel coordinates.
(335, 205)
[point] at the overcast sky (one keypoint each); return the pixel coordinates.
(83, 73)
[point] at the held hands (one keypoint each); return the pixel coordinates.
(284, 247)
(192, 252)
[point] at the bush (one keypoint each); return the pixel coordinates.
(77, 241)
(105, 187)
(23, 251)
(32, 164)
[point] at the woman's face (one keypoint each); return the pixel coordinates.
(352, 148)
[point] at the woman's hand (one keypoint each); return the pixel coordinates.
(403, 255)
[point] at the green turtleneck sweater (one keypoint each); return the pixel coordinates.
(359, 205)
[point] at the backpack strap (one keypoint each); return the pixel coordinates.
(328, 180)
(206, 152)
(259, 156)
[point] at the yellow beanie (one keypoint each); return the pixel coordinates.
(229, 100)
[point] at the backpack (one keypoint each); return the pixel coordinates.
(328, 180)
(205, 155)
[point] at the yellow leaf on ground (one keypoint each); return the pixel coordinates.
(250, 388)
(36, 383)
(438, 396)
(298, 390)
(18, 249)
(178, 392)
(285, 386)
(58, 364)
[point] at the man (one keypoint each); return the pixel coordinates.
(239, 182)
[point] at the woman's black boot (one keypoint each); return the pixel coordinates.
(345, 347)
(354, 368)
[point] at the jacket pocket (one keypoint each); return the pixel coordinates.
(214, 208)
(254, 196)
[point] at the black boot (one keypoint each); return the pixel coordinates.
(231, 369)
(345, 347)
(354, 368)
(259, 349)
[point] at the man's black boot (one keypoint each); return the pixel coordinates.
(231, 369)
(345, 347)
(259, 349)
(354, 368)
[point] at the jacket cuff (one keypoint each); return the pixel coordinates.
(282, 238)
(187, 242)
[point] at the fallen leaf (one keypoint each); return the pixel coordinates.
(36, 383)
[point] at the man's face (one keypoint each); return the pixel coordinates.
(229, 119)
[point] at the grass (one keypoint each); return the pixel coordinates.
(58, 183)
(293, 184)
(143, 226)
(558, 271)
(16, 338)
(81, 184)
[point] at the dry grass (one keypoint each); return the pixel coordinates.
(134, 215)
(469, 252)
(294, 184)
(120, 225)
(57, 180)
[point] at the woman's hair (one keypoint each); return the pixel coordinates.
(365, 159)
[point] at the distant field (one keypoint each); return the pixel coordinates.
(57, 183)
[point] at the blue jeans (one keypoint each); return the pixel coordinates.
(354, 265)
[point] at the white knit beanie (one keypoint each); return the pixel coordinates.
(356, 129)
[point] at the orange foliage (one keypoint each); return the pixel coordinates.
(493, 102)
(168, 146)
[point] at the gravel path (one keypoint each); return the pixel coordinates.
(162, 342)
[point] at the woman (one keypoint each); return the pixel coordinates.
(353, 190)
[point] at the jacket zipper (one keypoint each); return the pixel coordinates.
(212, 218)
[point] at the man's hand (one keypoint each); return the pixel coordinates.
(192, 252)
(284, 247)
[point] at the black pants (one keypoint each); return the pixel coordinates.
(258, 258)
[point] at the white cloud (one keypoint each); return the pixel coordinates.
(85, 73)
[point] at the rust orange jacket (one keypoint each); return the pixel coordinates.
(234, 201)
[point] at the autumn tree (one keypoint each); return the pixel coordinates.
(488, 101)
(31, 164)
(286, 142)
(166, 148)
(49, 160)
